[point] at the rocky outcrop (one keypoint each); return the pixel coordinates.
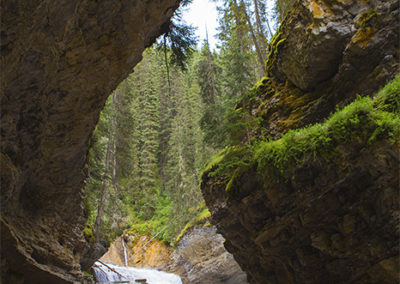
(318, 204)
(59, 62)
(199, 257)
(322, 56)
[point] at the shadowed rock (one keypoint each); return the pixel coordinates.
(59, 62)
(320, 205)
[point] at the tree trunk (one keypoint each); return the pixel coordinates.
(255, 67)
(256, 44)
(100, 208)
(269, 28)
(239, 26)
(111, 144)
(166, 65)
(209, 61)
(114, 139)
(261, 34)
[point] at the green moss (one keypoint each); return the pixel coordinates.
(232, 187)
(201, 218)
(88, 274)
(279, 39)
(276, 42)
(205, 214)
(368, 19)
(359, 124)
(366, 31)
(216, 159)
(229, 160)
(260, 88)
(388, 99)
(88, 233)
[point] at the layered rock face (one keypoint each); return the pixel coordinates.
(321, 204)
(59, 62)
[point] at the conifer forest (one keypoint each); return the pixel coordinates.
(164, 122)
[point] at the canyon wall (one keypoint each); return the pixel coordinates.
(317, 203)
(59, 62)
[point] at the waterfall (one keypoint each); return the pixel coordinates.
(125, 255)
(110, 273)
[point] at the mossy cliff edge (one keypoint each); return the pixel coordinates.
(312, 196)
(59, 62)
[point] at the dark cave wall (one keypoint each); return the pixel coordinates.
(59, 62)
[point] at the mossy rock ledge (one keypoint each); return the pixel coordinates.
(59, 62)
(320, 204)
(314, 197)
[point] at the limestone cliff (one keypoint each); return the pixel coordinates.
(59, 62)
(318, 204)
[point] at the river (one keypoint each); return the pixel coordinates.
(126, 274)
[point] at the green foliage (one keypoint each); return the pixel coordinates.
(233, 69)
(201, 218)
(88, 233)
(157, 223)
(181, 42)
(228, 160)
(388, 98)
(88, 274)
(179, 39)
(169, 119)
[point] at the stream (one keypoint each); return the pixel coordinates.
(132, 275)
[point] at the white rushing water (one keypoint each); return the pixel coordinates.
(125, 254)
(152, 276)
